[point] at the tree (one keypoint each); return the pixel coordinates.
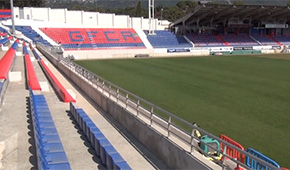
(239, 2)
(29, 3)
(138, 10)
(288, 4)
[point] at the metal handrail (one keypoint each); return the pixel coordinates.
(116, 92)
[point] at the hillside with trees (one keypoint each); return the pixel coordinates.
(164, 9)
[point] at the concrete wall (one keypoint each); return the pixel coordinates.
(121, 21)
(57, 15)
(105, 20)
(172, 155)
(74, 17)
(86, 19)
(130, 53)
(40, 14)
(90, 19)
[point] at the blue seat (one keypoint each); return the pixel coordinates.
(49, 138)
(80, 113)
(46, 131)
(96, 136)
(92, 130)
(99, 143)
(106, 150)
(88, 125)
(1, 85)
(45, 125)
(113, 158)
(84, 120)
(41, 119)
(52, 158)
(51, 147)
(121, 166)
(62, 166)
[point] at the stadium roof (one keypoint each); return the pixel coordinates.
(211, 14)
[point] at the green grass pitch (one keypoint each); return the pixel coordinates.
(244, 97)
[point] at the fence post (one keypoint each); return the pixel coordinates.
(191, 141)
(224, 153)
(97, 82)
(117, 95)
(110, 86)
(103, 85)
(126, 100)
(168, 127)
(138, 103)
(151, 115)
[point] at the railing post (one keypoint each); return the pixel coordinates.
(97, 83)
(168, 127)
(110, 90)
(117, 95)
(138, 104)
(192, 141)
(127, 100)
(103, 86)
(224, 153)
(151, 115)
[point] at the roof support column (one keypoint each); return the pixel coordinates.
(151, 16)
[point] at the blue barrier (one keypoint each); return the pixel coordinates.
(4, 40)
(25, 49)
(15, 45)
(112, 159)
(252, 163)
(1, 86)
(36, 54)
(103, 148)
(50, 152)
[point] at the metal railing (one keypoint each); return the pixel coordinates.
(168, 124)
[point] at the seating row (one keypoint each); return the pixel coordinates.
(31, 34)
(103, 148)
(6, 60)
(36, 55)
(61, 91)
(79, 38)
(32, 79)
(49, 149)
(1, 86)
(166, 39)
(5, 40)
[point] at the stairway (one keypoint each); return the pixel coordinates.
(222, 40)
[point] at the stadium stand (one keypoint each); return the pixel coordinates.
(93, 38)
(31, 34)
(50, 152)
(7, 59)
(239, 40)
(284, 40)
(205, 40)
(3, 30)
(264, 40)
(166, 39)
(32, 79)
(256, 165)
(108, 154)
(5, 40)
(5, 14)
